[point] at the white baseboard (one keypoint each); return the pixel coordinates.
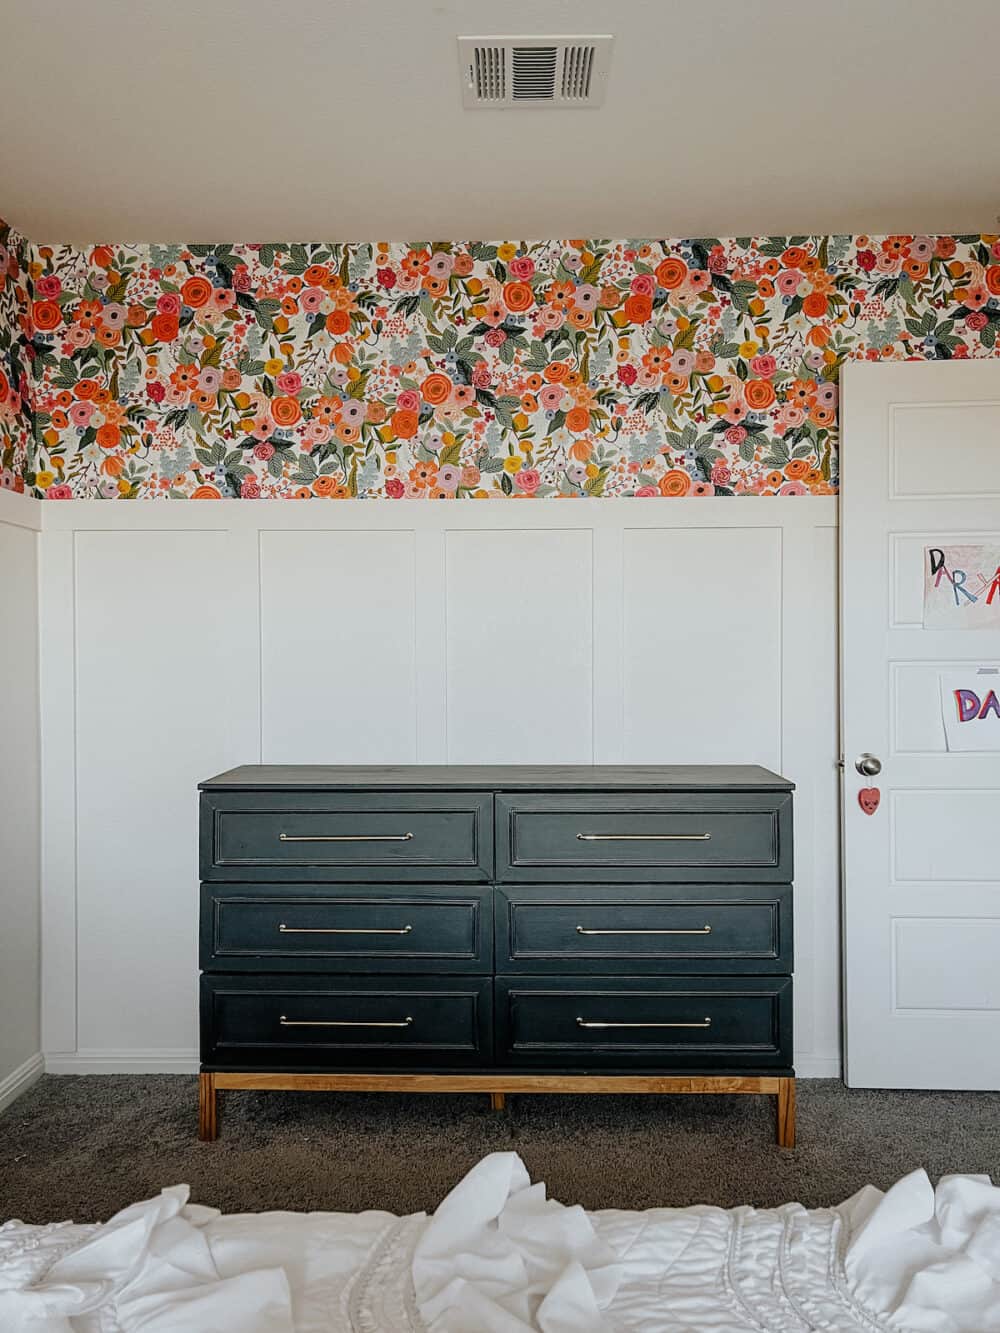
(122, 1062)
(817, 1066)
(21, 1080)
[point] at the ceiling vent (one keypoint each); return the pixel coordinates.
(503, 72)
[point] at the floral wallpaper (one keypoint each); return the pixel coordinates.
(455, 370)
(16, 387)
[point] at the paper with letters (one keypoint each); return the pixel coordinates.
(970, 707)
(962, 586)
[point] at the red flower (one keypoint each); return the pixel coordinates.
(387, 279)
(627, 374)
(866, 260)
(48, 287)
(395, 489)
(241, 278)
(156, 391)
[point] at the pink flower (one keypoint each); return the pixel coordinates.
(168, 303)
(646, 492)
(699, 280)
(463, 395)
(59, 492)
(527, 480)
(264, 451)
(522, 268)
(481, 377)
(408, 401)
(80, 414)
(241, 278)
(736, 434)
(793, 488)
(250, 489)
(721, 475)
(788, 281)
(495, 338)
(311, 299)
(48, 287)
(290, 382)
(976, 298)
(702, 488)
(976, 321)
(394, 488)
(644, 284)
(550, 396)
(763, 366)
(717, 260)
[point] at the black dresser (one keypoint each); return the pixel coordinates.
(497, 929)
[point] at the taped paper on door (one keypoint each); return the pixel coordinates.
(962, 587)
(970, 706)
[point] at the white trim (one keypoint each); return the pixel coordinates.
(122, 1062)
(817, 1066)
(765, 511)
(21, 1080)
(21, 511)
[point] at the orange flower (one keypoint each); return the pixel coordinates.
(109, 436)
(196, 291)
(556, 371)
(324, 485)
(580, 450)
(577, 420)
(102, 256)
(338, 321)
(423, 474)
(773, 480)
(766, 288)
(315, 275)
(85, 389)
(815, 305)
(518, 296)
(206, 493)
(993, 279)
(822, 416)
(113, 465)
(638, 308)
(46, 315)
(165, 327)
(794, 256)
(529, 403)
(759, 394)
(434, 286)
(670, 273)
(796, 469)
(285, 410)
(404, 423)
(59, 419)
(676, 383)
(436, 388)
(675, 482)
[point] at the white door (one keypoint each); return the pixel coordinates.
(920, 477)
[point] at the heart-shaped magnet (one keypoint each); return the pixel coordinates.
(868, 799)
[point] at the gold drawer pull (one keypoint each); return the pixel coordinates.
(342, 930)
(643, 837)
(700, 930)
(584, 1023)
(339, 1023)
(345, 837)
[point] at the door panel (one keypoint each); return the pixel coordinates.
(920, 468)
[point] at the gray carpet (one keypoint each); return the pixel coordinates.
(83, 1147)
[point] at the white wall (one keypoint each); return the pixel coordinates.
(182, 639)
(20, 1029)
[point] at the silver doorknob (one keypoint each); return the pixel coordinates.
(868, 766)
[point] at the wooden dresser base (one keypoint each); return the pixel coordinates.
(783, 1089)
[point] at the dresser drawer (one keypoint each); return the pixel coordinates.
(637, 928)
(683, 836)
(345, 928)
(315, 1022)
(346, 835)
(696, 1023)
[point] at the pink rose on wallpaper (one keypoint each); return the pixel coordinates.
(527, 480)
(59, 492)
(788, 281)
(241, 278)
(80, 414)
(250, 489)
(169, 303)
(721, 474)
(264, 451)
(646, 492)
(644, 284)
(495, 338)
(717, 260)
(976, 321)
(290, 381)
(736, 435)
(48, 287)
(522, 267)
(395, 489)
(763, 366)
(311, 299)
(408, 401)
(481, 377)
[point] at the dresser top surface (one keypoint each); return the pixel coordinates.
(499, 777)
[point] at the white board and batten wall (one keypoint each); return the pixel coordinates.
(20, 806)
(183, 639)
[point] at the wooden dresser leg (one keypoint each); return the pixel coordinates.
(208, 1119)
(786, 1112)
(498, 1100)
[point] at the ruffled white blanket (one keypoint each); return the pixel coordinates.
(499, 1257)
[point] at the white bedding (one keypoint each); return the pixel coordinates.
(498, 1256)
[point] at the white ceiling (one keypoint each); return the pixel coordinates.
(340, 119)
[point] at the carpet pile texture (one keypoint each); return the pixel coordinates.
(83, 1147)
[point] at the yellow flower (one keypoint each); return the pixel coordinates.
(273, 365)
(593, 470)
(513, 464)
(507, 251)
(717, 409)
(715, 383)
(520, 421)
(51, 437)
(123, 486)
(749, 348)
(44, 479)
(756, 307)
(390, 457)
